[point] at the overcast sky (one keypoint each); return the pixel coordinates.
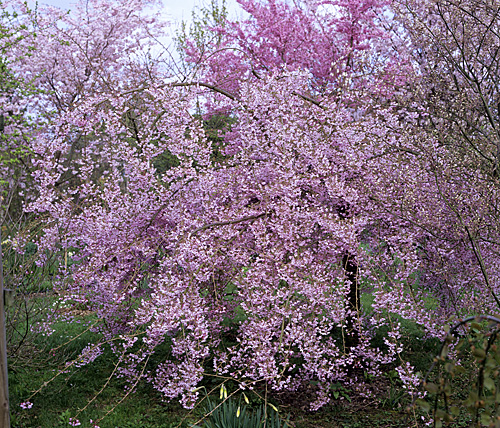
(174, 11)
(177, 10)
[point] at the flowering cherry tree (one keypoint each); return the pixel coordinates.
(101, 46)
(253, 247)
(260, 245)
(52, 60)
(254, 262)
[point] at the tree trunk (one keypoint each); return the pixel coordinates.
(4, 385)
(353, 303)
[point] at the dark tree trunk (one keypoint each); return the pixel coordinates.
(353, 303)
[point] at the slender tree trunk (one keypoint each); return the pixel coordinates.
(353, 302)
(351, 271)
(4, 385)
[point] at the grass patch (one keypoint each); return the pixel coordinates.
(145, 408)
(65, 394)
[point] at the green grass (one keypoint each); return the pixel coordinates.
(68, 392)
(144, 408)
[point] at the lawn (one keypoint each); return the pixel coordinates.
(65, 393)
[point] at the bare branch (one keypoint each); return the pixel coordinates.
(225, 223)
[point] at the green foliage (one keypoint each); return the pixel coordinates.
(232, 414)
(202, 19)
(462, 386)
(338, 390)
(215, 127)
(164, 161)
(64, 418)
(396, 396)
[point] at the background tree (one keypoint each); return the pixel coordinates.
(42, 53)
(453, 94)
(455, 52)
(340, 43)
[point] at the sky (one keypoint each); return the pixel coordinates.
(177, 10)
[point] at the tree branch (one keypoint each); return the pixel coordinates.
(225, 223)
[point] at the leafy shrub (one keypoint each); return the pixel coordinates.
(462, 385)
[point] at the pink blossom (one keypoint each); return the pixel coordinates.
(26, 405)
